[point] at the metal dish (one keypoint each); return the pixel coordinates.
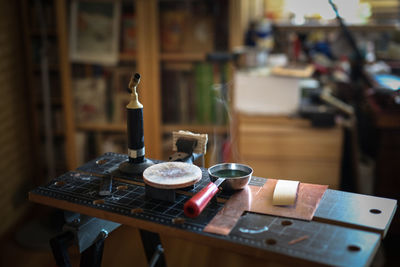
(236, 175)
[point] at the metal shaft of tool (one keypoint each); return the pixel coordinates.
(219, 181)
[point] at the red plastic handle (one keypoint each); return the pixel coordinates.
(194, 206)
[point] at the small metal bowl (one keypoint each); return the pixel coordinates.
(236, 175)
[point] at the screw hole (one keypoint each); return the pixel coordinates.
(375, 211)
(353, 248)
(270, 241)
(286, 223)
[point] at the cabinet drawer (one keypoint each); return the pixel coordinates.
(316, 172)
(286, 142)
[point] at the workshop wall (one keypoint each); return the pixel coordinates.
(16, 170)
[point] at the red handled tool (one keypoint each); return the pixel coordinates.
(198, 202)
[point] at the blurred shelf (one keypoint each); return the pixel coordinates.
(52, 67)
(56, 101)
(196, 128)
(48, 32)
(102, 127)
(178, 65)
(56, 134)
(183, 56)
(127, 56)
(361, 27)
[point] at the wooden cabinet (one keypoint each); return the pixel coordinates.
(289, 148)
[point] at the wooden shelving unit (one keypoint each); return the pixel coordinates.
(60, 109)
(148, 60)
(127, 57)
(65, 76)
(49, 32)
(185, 61)
(52, 67)
(56, 101)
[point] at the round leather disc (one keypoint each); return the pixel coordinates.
(171, 175)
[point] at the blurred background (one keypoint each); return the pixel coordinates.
(284, 86)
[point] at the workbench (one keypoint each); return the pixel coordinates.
(346, 229)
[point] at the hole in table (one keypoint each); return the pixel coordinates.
(286, 223)
(353, 248)
(101, 161)
(178, 220)
(136, 210)
(98, 201)
(122, 187)
(59, 183)
(270, 241)
(375, 211)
